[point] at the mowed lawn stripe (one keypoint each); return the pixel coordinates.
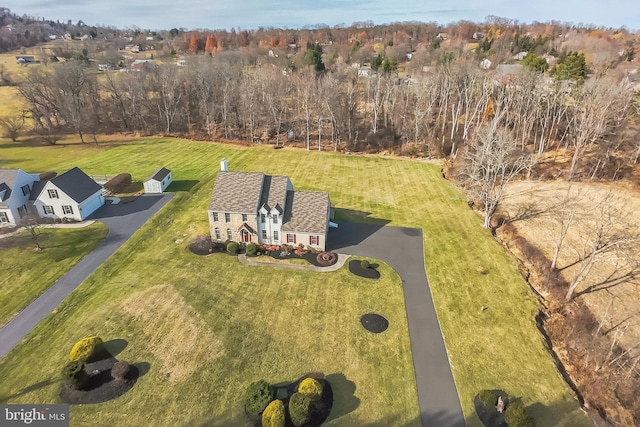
(404, 192)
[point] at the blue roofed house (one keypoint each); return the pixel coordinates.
(16, 186)
(72, 195)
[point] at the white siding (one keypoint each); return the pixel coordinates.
(80, 210)
(154, 186)
(17, 199)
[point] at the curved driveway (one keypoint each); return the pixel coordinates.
(123, 220)
(402, 249)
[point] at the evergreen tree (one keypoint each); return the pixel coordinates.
(536, 62)
(313, 56)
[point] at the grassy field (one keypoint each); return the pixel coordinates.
(278, 324)
(36, 271)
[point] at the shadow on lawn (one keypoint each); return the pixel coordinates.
(351, 215)
(344, 399)
(29, 389)
(183, 185)
(115, 347)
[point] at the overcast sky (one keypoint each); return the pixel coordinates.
(249, 14)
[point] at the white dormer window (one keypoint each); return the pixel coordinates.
(275, 218)
(53, 194)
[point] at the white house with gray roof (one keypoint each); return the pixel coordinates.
(16, 187)
(255, 207)
(72, 195)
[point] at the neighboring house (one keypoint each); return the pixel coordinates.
(478, 36)
(16, 187)
(442, 36)
(485, 64)
(26, 59)
(159, 181)
(254, 207)
(72, 195)
(520, 55)
(507, 74)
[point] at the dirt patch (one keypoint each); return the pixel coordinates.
(159, 311)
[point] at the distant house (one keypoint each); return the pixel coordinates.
(442, 36)
(132, 48)
(254, 207)
(72, 195)
(485, 64)
(142, 64)
(478, 36)
(159, 181)
(364, 72)
(26, 59)
(149, 38)
(15, 189)
(507, 73)
(181, 62)
(520, 55)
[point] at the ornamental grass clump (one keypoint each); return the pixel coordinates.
(516, 416)
(73, 374)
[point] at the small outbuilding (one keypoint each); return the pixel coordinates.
(159, 181)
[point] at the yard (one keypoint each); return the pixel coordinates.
(280, 324)
(35, 271)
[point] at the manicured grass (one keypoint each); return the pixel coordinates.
(29, 273)
(259, 316)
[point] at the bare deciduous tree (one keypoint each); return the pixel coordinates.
(492, 161)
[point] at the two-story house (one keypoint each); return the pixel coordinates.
(15, 189)
(254, 207)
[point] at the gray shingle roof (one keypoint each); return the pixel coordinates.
(306, 211)
(274, 192)
(7, 178)
(160, 174)
(37, 189)
(76, 184)
(238, 192)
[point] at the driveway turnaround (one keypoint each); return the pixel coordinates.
(402, 249)
(123, 220)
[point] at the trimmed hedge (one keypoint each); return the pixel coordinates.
(251, 248)
(233, 248)
(118, 183)
(259, 394)
(274, 415)
(73, 374)
(488, 397)
(516, 416)
(300, 406)
(86, 349)
(120, 369)
(310, 387)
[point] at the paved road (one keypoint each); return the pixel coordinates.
(402, 249)
(123, 220)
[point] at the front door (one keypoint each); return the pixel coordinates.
(246, 238)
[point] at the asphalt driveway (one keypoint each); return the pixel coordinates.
(402, 249)
(123, 220)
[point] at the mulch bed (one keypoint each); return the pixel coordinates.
(489, 415)
(367, 273)
(375, 323)
(284, 392)
(311, 257)
(203, 245)
(100, 386)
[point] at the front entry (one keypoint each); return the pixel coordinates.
(246, 237)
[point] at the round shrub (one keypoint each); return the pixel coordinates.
(300, 409)
(233, 248)
(488, 397)
(251, 249)
(86, 349)
(273, 415)
(258, 396)
(364, 264)
(73, 374)
(516, 416)
(120, 369)
(311, 388)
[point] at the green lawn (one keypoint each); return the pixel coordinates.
(279, 324)
(30, 272)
